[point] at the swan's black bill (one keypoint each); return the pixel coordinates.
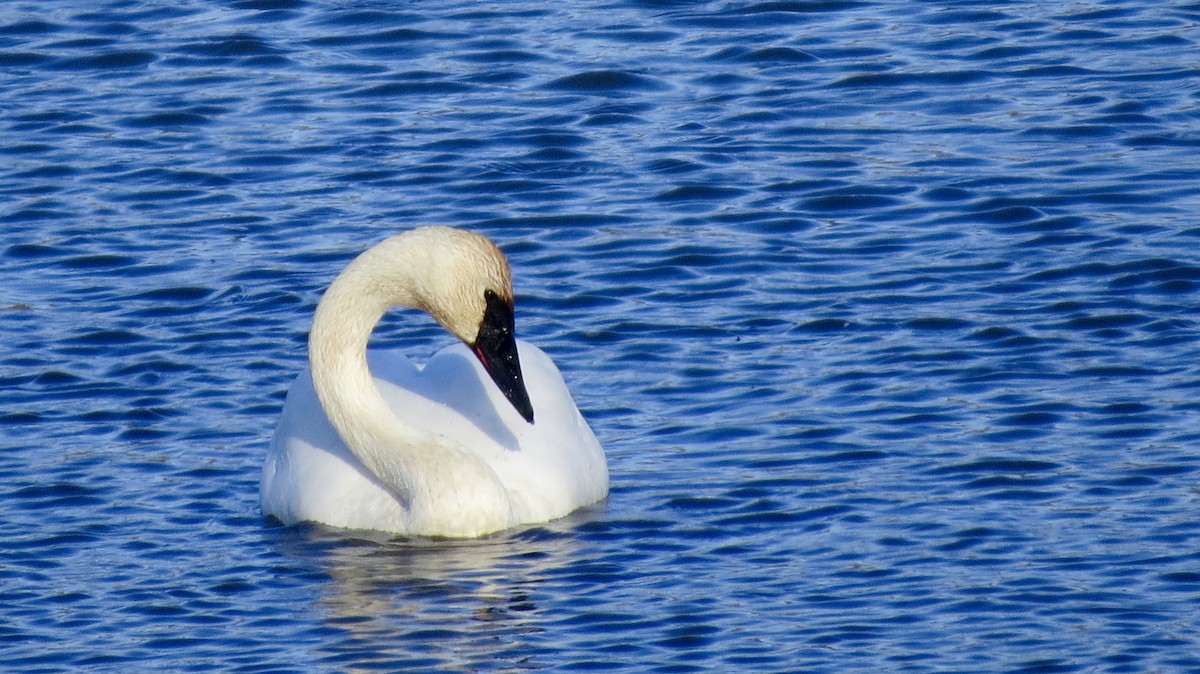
(496, 348)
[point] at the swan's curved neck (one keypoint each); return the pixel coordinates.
(422, 469)
(337, 356)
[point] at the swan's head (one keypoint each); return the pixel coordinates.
(463, 281)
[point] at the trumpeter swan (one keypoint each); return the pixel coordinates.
(483, 438)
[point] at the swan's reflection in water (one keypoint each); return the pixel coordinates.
(391, 603)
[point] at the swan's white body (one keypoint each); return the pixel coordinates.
(372, 442)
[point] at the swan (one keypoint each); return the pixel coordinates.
(484, 438)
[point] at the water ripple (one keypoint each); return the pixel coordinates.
(886, 315)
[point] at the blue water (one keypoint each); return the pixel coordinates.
(887, 314)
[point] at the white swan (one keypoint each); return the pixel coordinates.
(368, 441)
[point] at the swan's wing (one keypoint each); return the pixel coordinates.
(560, 445)
(550, 467)
(310, 476)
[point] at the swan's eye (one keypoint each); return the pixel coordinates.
(497, 323)
(498, 315)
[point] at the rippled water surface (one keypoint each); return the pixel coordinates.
(885, 312)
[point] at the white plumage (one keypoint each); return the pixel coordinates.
(371, 442)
